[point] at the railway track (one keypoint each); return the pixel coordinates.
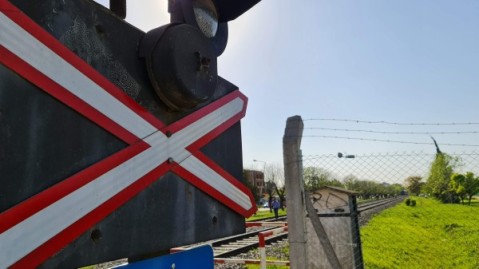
(242, 243)
(233, 246)
(373, 204)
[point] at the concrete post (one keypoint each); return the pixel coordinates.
(294, 188)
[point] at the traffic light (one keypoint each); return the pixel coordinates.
(181, 57)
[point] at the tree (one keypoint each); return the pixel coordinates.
(456, 184)
(281, 191)
(351, 183)
(316, 177)
(471, 186)
(438, 182)
(274, 177)
(414, 184)
(465, 186)
(276, 172)
(397, 189)
(336, 183)
(368, 189)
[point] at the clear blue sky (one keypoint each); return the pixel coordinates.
(372, 60)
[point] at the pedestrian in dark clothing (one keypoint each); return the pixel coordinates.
(275, 206)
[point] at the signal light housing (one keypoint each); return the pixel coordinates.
(181, 56)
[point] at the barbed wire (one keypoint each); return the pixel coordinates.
(390, 132)
(394, 123)
(389, 141)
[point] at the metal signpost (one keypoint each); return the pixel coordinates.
(199, 257)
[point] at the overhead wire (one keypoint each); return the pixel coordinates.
(394, 123)
(391, 132)
(388, 141)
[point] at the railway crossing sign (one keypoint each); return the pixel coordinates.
(40, 226)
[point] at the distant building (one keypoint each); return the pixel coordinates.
(255, 178)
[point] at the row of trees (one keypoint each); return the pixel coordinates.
(315, 177)
(444, 183)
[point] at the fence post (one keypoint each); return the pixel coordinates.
(294, 187)
(262, 250)
(262, 244)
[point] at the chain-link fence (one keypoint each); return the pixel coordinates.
(375, 174)
(383, 167)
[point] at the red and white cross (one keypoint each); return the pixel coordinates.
(40, 226)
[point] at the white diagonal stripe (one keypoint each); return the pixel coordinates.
(213, 179)
(21, 43)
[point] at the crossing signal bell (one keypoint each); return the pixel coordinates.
(181, 57)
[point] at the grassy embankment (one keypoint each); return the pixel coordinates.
(429, 235)
(264, 213)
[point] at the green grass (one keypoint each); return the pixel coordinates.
(255, 266)
(429, 235)
(265, 214)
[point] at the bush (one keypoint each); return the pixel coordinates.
(410, 202)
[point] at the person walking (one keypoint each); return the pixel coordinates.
(275, 206)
